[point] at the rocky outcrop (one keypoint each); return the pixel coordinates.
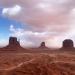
(14, 45)
(43, 45)
(13, 42)
(67, 44)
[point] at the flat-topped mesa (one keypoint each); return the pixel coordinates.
(13, 42)
(43, 45)
(68, 44)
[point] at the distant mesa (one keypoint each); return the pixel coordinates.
(14, 45)
(41, 48)
(68, 43)
(43, 45)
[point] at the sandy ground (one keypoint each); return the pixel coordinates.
(56, 63)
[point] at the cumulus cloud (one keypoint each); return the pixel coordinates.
(29, 38)
(11, 11)
(42, 12)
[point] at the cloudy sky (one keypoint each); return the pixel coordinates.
(34, 21)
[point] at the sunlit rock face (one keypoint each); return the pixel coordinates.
(68, 43)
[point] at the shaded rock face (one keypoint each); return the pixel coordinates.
(68, 43)
(14, 46)
(43, 45)
(13, 42)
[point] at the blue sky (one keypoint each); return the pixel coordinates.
(5, 32)
(5, 25)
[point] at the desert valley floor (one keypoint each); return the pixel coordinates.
(51, 63)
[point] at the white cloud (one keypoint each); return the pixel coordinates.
(12, 11)
(43, 5)
(12, 28)
(22, 32)
(30, 38)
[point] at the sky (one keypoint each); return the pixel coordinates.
(34, 21)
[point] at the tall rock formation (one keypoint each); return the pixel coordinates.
(68, 44)
(43, 46)
(13, 42)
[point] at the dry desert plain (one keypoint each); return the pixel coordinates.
(37, 63)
